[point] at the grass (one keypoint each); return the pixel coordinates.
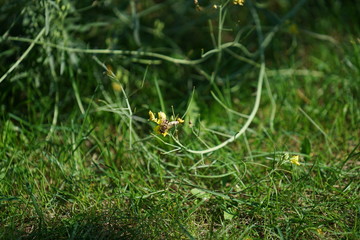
(79, 159)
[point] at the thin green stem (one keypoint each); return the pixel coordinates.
(33, 42)
(109, 51)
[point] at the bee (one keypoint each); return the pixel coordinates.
(164, 126)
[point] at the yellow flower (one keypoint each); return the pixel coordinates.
(239, 2)
(163, 125)
(295, 160)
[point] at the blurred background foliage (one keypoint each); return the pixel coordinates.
(177, 29)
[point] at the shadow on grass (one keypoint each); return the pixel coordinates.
(93, 226)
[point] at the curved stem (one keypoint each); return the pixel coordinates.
(247, 123)
(258, 91)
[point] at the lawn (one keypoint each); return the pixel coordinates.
(179, 119)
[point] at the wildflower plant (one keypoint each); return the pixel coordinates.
(293, 159)
(163, 124)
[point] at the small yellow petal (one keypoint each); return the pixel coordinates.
(295, 160)
(180, 120)
(162, 117)
(320, 231)
(152, 117)
(157, 130)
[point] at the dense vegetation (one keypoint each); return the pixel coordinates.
(269, 92)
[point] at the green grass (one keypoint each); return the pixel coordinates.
(79, 159)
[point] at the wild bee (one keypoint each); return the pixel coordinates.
(164, 126)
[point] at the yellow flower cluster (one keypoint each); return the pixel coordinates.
(163, 125)
(239, 2)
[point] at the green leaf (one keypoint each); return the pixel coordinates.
(228, 215)
(200, 193)
(306, 147)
